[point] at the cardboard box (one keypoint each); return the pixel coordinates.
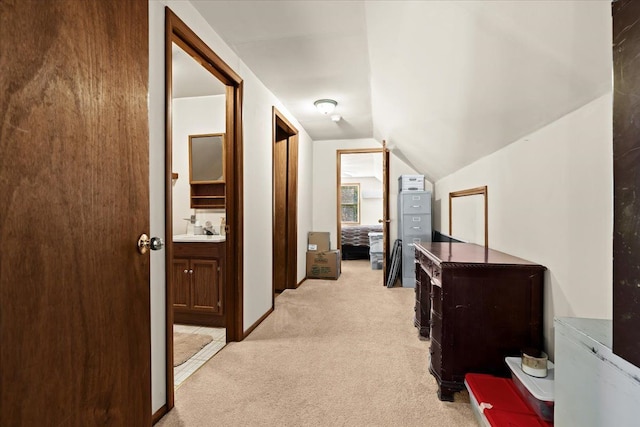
(323, 265)
(318, 241)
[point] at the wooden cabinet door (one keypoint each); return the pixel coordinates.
(205, 285)
(181, 283)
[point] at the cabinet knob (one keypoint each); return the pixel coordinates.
(186, 271)
(190, 271)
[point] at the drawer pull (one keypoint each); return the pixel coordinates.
(415, 227)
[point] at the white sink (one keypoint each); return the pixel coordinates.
(198, 238)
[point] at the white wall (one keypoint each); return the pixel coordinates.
(550, 202)
(192, 116)
(324, 183)
(370, 207)
(257, 161)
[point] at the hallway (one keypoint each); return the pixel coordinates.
(339, 352)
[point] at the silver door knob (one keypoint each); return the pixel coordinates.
(145, 243)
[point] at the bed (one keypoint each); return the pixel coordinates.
(355, 240)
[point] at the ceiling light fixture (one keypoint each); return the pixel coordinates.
(325, 106)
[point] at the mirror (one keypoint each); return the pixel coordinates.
(468, 215)
(206, 155)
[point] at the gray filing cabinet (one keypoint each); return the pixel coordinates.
(414, 226)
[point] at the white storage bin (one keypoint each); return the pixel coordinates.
(376, 260)
(537, 392)
(375, 242)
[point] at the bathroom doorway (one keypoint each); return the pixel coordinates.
(198, 116)
(203, 203)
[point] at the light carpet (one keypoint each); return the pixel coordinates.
(186, 345)
(333, 353)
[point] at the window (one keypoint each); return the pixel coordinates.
(350, 203)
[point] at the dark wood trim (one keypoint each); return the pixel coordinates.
(168, 208)
(257, 322)
(385, 212)
(279, 121)
(188, 40)
(338, 182)
(177, 31)
(301, 282)
(235, 329)
(482, 191)
(157, 416)
(292, 211)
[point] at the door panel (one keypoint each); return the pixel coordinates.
(206, 286)
(74, 291)
(181, 281)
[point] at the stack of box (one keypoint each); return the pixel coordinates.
(322, 262)
(375, 250)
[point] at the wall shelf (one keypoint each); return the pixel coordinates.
(208, 195)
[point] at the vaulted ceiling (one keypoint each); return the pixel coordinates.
(443, 82)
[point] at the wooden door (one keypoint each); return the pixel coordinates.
(74, 198)
(205, 285)
(280, 253)
(626, 180)
(285, 203)
(181, 283)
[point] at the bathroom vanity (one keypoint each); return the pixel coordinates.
(198, 274)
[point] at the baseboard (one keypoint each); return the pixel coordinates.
(257, 322)
(159, 414)
(301, 282)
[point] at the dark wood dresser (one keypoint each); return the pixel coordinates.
(483, 305)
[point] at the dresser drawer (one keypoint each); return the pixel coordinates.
(416, 225)
(436, 299)
(436, 275)
(435, 356)
(416, 203)
(436, 326)
(425, 263)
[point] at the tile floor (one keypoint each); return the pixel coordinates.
(219, 335)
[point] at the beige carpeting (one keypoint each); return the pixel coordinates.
(333, 353)
(186, 345)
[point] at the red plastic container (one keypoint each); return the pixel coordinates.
(497, 403)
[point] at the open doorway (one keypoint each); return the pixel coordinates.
(203, 202)
(198, 116)
(362, 207)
